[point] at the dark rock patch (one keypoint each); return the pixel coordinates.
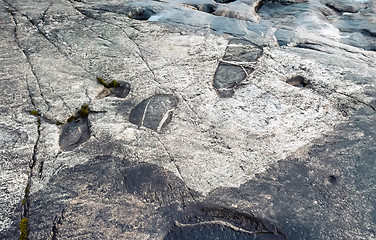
(298, 81)
(242, 51)
(140, 13)
(228, 76)
(332, 179)
(224, 1)
(76, 131)
(137, 113)
(268, 3)
(206, 7)
(342, 7)
(234, 68)
(155, 112)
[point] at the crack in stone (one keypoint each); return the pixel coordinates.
(55, 227)
(26, 201)
(61, 98)
(357, 100)
(222, 223)
(27, 57)
(139, 53)
(43, 33)
(45, 12)
(176, 166)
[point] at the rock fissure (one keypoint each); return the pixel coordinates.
(172, 160)
(357, 100)
(55, 226)
(222, 223)
(27, 57)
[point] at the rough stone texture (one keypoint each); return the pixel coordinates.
(255, 123)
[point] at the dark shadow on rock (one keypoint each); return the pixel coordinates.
(112, 196)
(328, 194)
(153, 183)
(107, 196)
(154, 112)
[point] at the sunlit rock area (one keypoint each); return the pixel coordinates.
(188, 119)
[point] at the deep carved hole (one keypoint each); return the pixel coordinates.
(298, 81)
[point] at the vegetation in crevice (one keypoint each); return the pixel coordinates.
(82, 113)
(34, 113)
(112, 84)
(25, 220)
(23, 228)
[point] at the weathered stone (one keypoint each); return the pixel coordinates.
(297, 163)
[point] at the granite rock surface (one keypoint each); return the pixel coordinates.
(187, 119)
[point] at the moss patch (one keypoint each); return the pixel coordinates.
(23, 228)
(82, 113)
(34, 113)
(112, 84)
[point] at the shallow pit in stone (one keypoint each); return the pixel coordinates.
(140, 13)
(298, 81)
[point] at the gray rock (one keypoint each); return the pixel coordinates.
(286, 149)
